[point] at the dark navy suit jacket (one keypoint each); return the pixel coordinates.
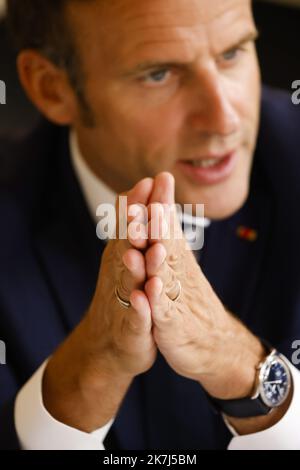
(49, 261)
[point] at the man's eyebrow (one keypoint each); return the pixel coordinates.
(156, 64)
(152, 65)
(248, 37)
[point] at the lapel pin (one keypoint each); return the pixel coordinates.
(247, 234)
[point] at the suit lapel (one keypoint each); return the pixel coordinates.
(232, 262)
(67, 246)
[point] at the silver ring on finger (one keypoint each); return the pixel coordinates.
(124, 303)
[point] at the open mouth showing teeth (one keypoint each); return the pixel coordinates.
(209, 170)
(205, 163)
(208, 163)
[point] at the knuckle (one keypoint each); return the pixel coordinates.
(164, 315)
(132, 324)
(133, 328)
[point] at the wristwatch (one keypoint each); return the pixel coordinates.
(272, 386)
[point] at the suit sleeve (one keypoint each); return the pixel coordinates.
(8, 436)
(8, 390)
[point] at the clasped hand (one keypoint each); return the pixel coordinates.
(198, 338)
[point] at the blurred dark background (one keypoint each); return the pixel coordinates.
(279, 28)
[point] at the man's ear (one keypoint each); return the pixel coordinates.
(47, 86)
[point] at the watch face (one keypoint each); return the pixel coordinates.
(275, 383)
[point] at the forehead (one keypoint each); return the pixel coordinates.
(127, 29)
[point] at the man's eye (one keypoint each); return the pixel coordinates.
(157, 77)
(230, 55)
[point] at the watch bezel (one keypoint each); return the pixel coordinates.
(264, 370)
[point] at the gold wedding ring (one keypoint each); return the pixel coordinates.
(126, 304)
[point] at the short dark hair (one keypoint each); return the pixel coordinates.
(42, 25)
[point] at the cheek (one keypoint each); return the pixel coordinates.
(157, 127)
(152, 130)
(242, 85)
(148, 137)
(147, 112)
(246, 92)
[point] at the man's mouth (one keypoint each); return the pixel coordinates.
(207, 163)
(210, 170)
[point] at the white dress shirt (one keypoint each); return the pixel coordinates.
(38, 430)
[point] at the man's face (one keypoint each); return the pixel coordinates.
(173, 85)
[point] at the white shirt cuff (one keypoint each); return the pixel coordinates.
(284, 435)
(38, 430)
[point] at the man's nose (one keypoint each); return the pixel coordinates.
(212, 111)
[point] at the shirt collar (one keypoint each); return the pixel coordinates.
(95, 191)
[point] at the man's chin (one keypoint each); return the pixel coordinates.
(218, 205)
(224, 208)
